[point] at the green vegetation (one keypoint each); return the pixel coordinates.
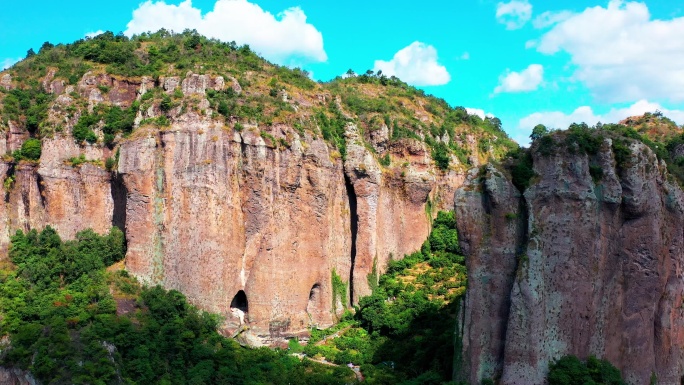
(339, 291)
(404, 332)
(31, 149)
(569, 370)
(71, 321)
(654, 130)
(371, 100)
(113, 120)
(27, 106)
(521, 168)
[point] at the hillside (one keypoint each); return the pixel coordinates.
(230, 175)
(251, 91)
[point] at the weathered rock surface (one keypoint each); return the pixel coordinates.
(600, 273)
(257, 219)
(491, 225)
(16, 377)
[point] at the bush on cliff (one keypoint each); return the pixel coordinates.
(569, 370)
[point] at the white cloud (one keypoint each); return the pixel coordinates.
(278, 38)
(528, 79)
(549, 18)
(514, 14)
(561, 120)
(479, 112)
(7, 63)
(620, 53)
(93, 34)
(465, 56)
(417, 65)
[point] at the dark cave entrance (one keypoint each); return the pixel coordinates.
(240, 301)
(314, 298)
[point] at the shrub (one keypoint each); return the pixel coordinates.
(596, 172)
(569, 370)
(440, 154)
(31, 149)
(110, 163)
(522, 169)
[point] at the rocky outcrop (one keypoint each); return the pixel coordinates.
(491, 228)
(213, 213)
(600, 272)
(16, 377)
(257, 220)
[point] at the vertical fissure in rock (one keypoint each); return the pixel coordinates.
(243, 148)
(119, 197)
(41, 189)
(11, 170)
(159, 214)
(523, 226)
(354, 227)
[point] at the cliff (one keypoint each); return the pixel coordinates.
(245, 185)
(588, 261)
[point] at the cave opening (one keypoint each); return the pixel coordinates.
(240, 301)
(354, 227)
(314, 298)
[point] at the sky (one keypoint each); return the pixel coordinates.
(524, 61)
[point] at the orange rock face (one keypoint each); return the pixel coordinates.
(258, 220)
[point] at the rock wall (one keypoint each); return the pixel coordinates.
(599, 273)
(491, 228)
(257, 219)
(16, 377)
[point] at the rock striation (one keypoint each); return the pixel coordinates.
(257, 219)
(597, 269)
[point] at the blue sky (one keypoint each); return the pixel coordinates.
(525, 61)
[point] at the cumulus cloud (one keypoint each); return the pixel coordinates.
(93, 34)
(479, 112)
(620, 53)
(528, 79)
(561, 120)
(514, 14)
(7, 63)
(550, 18)
(417, 65)
(276, 37)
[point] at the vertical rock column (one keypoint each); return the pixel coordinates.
(490, 223)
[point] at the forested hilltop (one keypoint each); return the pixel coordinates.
(257, 92)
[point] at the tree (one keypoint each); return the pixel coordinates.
(30, 53)
(46, 46)
(496, 122)
(538, 131)
(30, 149)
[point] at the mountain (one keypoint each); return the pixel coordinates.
(236, 181)
(277, 201)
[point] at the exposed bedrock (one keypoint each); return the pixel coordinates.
(600, 272)
(256, 219)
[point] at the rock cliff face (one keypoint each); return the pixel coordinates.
(258, 219)
(597, 269)
(16, 377)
